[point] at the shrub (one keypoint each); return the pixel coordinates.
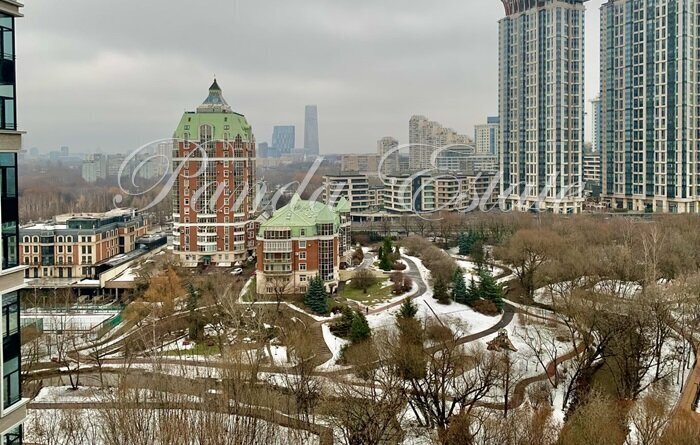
(399, 266)
(363, 280)
(486, 307)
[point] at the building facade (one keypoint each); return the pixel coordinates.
(284, 138)
(591, 167)
(94, 168)
(300, 241)
(388, 152)
(14, 408)
(352, 187)
(361, 163)
(426, 136)
(541, 104)
(649, 57)
(71, 245)
(487, 136)
(311, 142)
(215, 190)
(596, 124)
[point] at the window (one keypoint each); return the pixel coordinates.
(302, 278)
(302, 232)
(302, 244)
(302, 266)
(302, 255)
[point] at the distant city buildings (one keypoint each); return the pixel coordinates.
(302, 240)
(591, 167)
(72, 245)
(541, 104)
(283, 139)
(387, 150)
(311, 142)
(649, 57)
(360, 163)
(487, 136)
(425, 136)
(213, 197)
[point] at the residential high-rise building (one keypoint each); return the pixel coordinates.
(541, 104)
(94, 168)
(360, 163)
(214, 194)
(311, 144)
(596, 125)
(284, 138)
(387, 149)
(14, 408)
(352, 187)
(425, 137)
(649, 56)
(487, 136)
(591, 167)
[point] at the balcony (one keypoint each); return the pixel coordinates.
(277, 246)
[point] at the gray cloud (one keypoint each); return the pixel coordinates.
(114, 75)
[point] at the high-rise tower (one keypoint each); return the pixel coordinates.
(14, 408)
(214, 194)
(283, 138)
(541, 104)
(311, 144)
(649, 97)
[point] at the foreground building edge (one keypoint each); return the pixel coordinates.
(14, 408)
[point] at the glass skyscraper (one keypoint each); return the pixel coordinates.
(541, 104)
(284, 138)
(311, 144)
(13, 409)
(650, 75)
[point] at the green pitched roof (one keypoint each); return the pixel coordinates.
(216, 112)
(300, 214)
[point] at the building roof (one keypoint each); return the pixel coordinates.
(217, 113)
(301, 214)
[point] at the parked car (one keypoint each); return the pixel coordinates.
(237, 271)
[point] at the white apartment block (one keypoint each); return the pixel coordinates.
(487, 136)
(387, 150)
(650, 74)
(353, 187)
(541, 104)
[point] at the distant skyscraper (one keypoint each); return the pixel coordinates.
(596, 125)
(425, 136)
(391, 161)
(311, 144)
(284, 138)
(541, 104)
(487, 136)
(649, 57)
(213, 204)
(263, 150)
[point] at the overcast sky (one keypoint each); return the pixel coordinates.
(114, 75)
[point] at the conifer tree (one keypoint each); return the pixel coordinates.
(359, 330)
(459, 288)
(490, 289)
(407, 310)
(316, 296)
(440, 291)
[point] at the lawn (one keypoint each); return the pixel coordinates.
(198, 349)
(375, 294)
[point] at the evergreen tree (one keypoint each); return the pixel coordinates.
(440, 291)
(316, 296)
(386, 260)
(463, 245)
(459, 288)
(359, 330)
(194, 318)
(490, 289)
(407, 310)
(473, 293)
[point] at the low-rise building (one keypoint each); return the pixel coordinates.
(71, 245)
(353, 187)
(451, 192)
(301, 240)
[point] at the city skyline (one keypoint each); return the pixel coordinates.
(124, 96)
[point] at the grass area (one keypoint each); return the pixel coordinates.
(375, 294)
(197, 349)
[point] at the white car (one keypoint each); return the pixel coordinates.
(237, 271)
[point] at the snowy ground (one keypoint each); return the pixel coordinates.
(335, 344)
